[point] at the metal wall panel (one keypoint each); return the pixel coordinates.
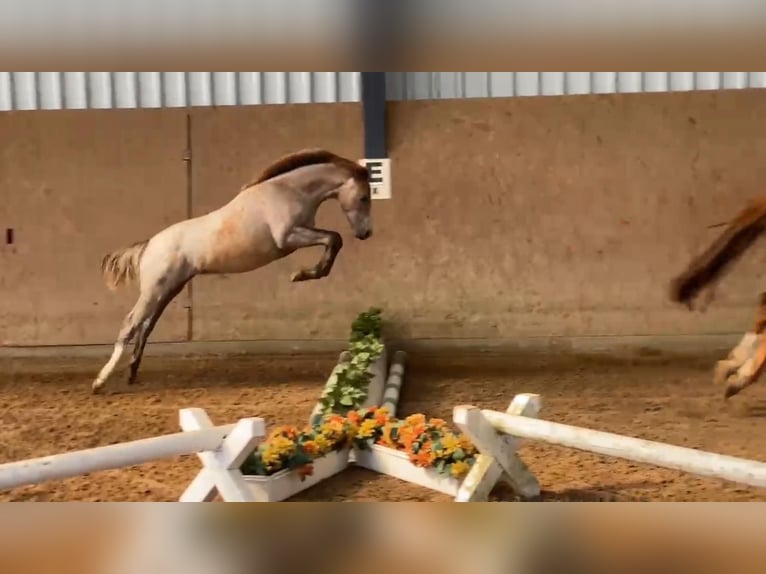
(80, 90)
(440, 85)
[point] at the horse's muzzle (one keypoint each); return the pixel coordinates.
(364, 235)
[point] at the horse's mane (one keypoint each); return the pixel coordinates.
(307, 157)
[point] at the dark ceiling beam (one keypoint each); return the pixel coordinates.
(374, 112)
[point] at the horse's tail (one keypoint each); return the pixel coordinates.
(121, 266)
(738, 236)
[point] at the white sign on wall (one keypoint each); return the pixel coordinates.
(380, 177)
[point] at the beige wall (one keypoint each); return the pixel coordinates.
(511, 217)
(74, 185)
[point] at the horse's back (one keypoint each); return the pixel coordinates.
(235, 238)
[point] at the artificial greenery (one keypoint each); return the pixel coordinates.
(367, 323)
(347, 389)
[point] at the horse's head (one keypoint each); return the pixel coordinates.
(355, 200)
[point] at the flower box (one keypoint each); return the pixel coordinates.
(397, 464)
(287, 483)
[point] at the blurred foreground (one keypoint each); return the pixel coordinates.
(382, 538)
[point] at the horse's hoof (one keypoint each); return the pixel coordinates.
(722, 372)
(303, 275)
(96, 387)
(730, 391)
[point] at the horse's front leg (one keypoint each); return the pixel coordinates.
(748, 373)
(750, 365)
(300, 237)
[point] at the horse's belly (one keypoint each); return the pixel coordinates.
(247, 258)
(232, 240)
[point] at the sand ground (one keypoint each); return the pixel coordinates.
(46, 408)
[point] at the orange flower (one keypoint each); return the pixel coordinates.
(310, 447)
(438, 423)
(466, 445)
(428, 447)
(354, 418)
(413, 420)
(422, 458)
(406, 438)
(381, 417)
(305, 470)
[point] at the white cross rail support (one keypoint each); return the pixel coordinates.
(121, 455)
(498, 459)
(690, 460)
(221, 467)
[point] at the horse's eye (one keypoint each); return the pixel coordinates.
(365, 199)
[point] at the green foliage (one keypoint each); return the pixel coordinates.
(348, 388)
(367, 323)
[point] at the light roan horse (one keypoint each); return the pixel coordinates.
(746, 361)
(269, 219)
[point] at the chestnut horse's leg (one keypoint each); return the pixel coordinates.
(300, 237)
(748, 373)
(749, 370)
(736, 358)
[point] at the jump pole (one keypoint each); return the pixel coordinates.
(685, 459)
(77, 463)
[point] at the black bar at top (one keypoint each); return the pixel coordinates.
(374, 111)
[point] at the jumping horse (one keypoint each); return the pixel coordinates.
(270, 218)
(746, 361)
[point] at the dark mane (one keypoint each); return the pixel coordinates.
(309, 157)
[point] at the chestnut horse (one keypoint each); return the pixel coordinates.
(746, 361)
(269, 219)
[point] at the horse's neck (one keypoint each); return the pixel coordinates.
(319, 182)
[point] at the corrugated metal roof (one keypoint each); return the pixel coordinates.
(78, 90)
(440, 85)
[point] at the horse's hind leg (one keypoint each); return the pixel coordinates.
(146, 328)
(143, 309)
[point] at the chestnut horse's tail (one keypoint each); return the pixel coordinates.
(739, 235)
(121, 266)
